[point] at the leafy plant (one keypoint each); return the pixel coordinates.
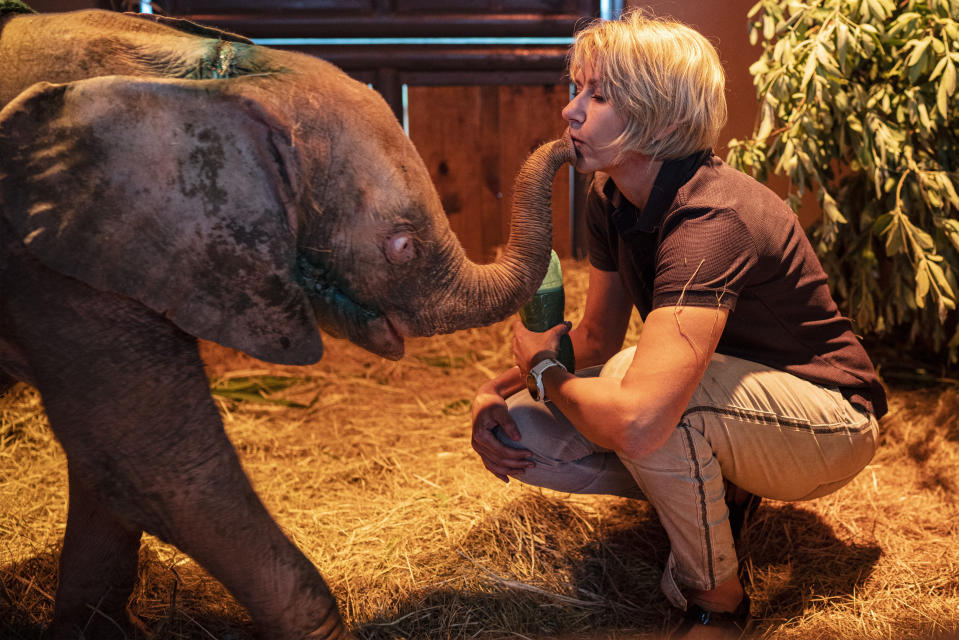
(858, 105)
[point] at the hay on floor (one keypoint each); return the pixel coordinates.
(367, 465)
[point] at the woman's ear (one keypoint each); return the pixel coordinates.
(174, 193)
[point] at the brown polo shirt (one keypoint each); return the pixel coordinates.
(713, 236)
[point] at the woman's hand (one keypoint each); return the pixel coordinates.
(489, 412)
(529, 347)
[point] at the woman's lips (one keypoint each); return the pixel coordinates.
(576, 144)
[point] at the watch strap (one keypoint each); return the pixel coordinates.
(537, 373)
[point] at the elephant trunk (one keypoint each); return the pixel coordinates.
(479, 295)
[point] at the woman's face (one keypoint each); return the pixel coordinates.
(593, 124)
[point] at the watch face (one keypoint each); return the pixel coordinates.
(532, 387)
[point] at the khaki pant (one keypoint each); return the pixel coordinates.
(767, 431)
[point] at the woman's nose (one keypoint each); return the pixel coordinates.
(572, 112)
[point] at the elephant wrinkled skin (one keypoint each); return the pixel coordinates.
(162, 182)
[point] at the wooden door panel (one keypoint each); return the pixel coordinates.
(473, 140)
(529, 117)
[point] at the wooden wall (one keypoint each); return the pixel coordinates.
(473, 140)
(724, 23)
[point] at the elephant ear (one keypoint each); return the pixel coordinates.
(174, 193)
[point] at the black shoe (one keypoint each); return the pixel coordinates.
(733, 623)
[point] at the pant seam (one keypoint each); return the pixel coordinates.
(748, 415)
(703, 514)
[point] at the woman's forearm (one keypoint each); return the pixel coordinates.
(590, 350)
(505, 384)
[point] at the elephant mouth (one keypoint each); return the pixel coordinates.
(338, 314)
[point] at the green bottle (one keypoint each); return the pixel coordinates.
(546, 310)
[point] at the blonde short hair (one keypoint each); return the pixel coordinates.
(663, 77)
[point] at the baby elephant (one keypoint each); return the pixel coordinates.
(162, 182)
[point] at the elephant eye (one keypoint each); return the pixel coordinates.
(400, 248)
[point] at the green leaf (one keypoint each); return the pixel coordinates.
(245, 396)
(946, 183)
(824, 58)
(918, 50)
(881, 226)
(922, 287)
(921, 238)
(924, 116)
(257, 389)
(830, 209)
(886, 7)
(445, 362)
(766, 124)
(940, 66)
(769, 27)
(947, 87)
(842, 42)
(808, 71)
(894, 238)
(939, 277)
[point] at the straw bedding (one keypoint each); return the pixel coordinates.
(366, 464)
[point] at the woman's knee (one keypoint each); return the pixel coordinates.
(544, 431)
(564, 460)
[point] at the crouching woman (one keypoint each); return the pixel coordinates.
(746, 381)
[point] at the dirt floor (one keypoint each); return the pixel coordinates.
(366, 464)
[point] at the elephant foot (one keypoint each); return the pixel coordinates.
(331, 628)
(321, 635)
(97, 625)
(98, 571)
(337, 632)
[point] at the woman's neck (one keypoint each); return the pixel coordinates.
(635, 178)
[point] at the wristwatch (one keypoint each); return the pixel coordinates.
(534, 379)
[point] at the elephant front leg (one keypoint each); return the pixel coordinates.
(216, 517)
(130, 403)
(193, 493)
(98, 570)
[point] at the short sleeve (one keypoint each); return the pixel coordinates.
(704, 259)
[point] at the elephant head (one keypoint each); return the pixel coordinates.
(249, 209)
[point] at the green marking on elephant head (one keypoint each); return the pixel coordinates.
(225, 64)
(335, 309)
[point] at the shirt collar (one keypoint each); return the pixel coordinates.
(672, 175)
